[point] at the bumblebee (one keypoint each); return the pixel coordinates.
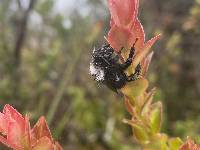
(106, 68)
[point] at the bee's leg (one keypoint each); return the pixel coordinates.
(136, 74)
(128, 62)
(120, 51)
(118, 56)
(107, 45)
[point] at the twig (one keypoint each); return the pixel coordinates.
(20, 38)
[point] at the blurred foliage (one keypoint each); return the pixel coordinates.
(53, 73)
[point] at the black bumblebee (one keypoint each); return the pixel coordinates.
(105, 66)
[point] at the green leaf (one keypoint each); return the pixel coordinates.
(148, 102)
(156, 117)
(158, 142)
(135, 89)
(175, 143)
(139, 131)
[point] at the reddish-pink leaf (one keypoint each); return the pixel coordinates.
(144, 52)
(112, 23)
(43, 144)
(3, 124)
(27, 133)
(41, 129)
(119, 37)
(136, 7)
(138, 31)
(57, 146)
(5, 142)
(189, 145)
(150, 43)
(12, 113)
(123, 12)
(14, 127)
(15, 134)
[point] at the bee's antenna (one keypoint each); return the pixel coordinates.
(135, 41)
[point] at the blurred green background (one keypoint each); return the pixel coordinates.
(45, 48)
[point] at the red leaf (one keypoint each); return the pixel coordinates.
(41, 129)
(190, 145)
(13, 114)
(15, 135)
(138, 31)
(123, 12)
(119, 37)
(150, 43)
(5, 142)
(144, 52)
(43, 144)
(3, 124)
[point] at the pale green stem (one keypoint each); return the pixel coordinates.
(62, 87)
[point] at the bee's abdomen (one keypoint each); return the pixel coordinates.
(115, 78)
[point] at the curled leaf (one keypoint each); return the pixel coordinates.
(148, 101)
(158, 142)
(145, 64)
(143, 53)
(129, 106)
(41, 129)
(175, 143)
(139, 131)
(156, 117)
